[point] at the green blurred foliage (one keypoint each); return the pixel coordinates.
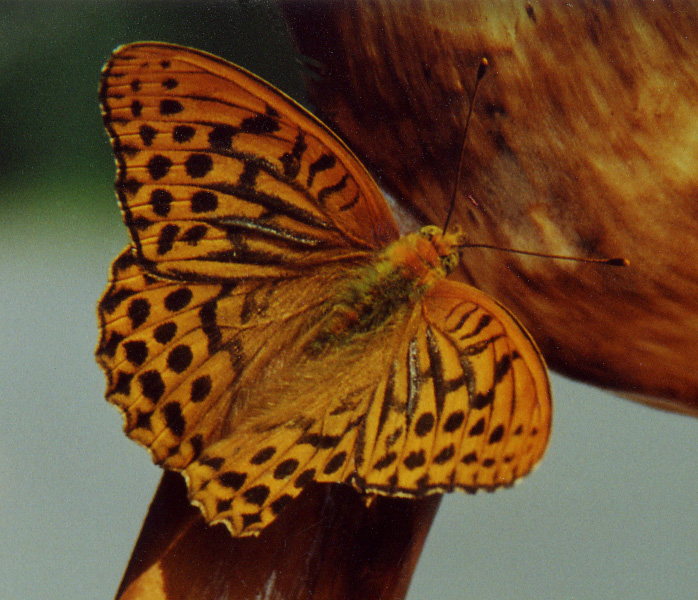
(51, 54)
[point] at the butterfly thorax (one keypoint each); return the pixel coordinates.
(376, 293)
(425, 256)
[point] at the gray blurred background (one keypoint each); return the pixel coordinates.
(612, 512)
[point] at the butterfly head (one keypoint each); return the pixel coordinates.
(445, 248)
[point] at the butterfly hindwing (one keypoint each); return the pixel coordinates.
(466, 402)
(247, 479)
(181, 359)
(460, 401)
(159, 359)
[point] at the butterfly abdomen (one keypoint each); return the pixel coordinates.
(375, 294)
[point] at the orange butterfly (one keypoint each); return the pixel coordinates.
(268, 326)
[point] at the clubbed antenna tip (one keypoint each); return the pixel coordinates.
(618, 262)
(482, 69)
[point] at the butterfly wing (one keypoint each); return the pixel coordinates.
(178, 356)
(221, 176)
(465, 402)
(244, 211)
(215, 379)
(454, 395)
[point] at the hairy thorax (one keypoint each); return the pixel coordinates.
(386, 287)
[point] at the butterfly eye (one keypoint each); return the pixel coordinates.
(429, 232)
(450, 261)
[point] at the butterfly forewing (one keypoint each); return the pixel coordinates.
(221, 176)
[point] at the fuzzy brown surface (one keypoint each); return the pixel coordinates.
(582, 142)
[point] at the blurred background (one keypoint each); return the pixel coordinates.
(612, 512)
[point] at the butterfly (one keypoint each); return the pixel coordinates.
(268, 326)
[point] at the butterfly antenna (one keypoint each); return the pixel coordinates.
(481, 70)
(614, 262)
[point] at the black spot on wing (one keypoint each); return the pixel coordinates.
(415, 460)
(136, 352)
(259, 124)
(178, 299)
(497, 434)
(232, 479)
(158, 166)
(161, 202)
(478, 428)
(170, 107)
(286, 468)
(280, 503)
(215, 462)
(183, 133)
(335, 463)
(147, 134)
(198, 165)
(304, 478)
(165, 333)
(138, 312)
(454, 421)
(221, 136)
(203, 201)
(257, 494)
(324, 162)
(200, 388)
(424, 424)
(174, 420)
(445, 455)
(436, 370)
(385, 461)
(179, 358)
(263, 455)
(480, 401)
(152, 385)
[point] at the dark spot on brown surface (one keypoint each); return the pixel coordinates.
(164, 333)
(159, 166)
(335, 463)
(198, 165)
(478, 428)
(178, 299)
(138, 312)
(180, 358)
(136, 352)
(152, 385)
(445, 455)
(454, 421)
(415, 460)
